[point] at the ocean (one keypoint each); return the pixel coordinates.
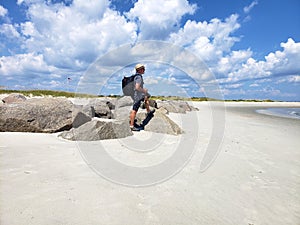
(281, 112)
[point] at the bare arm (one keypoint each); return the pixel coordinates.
(140, 89)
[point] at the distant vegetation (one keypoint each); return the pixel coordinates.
(48, 93)
(82, 95)
(184, 98)
(250, 100)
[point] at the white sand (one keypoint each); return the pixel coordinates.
(255, 179)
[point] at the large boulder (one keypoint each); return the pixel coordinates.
(98, 129)
(124, 101)
(171, 106)
(101, 108)
(122, 113)
(176, 106)
(15, 97)
(122, 108)
(159, 123)
(37, 115)
(152, 103)
(81, 115)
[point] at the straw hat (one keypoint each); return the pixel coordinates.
(138, 66)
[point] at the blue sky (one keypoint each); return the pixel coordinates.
(251, 48)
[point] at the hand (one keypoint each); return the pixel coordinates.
(148, 95)
(145, 90)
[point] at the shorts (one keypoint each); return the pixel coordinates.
(137, 104)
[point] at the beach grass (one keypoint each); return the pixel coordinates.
(48, 93)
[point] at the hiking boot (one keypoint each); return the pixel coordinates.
(151, 112)
(135, 129)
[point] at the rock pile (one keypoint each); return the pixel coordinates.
(99, 119)
(37, 115)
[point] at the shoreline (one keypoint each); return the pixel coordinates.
(280, 112)
(252, 107)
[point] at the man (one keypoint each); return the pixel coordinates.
(140, 94)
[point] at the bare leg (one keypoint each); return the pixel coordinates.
(132, 117)
(147, 104)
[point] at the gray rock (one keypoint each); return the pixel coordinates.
(152, 103)
(110, 105)
(81, 115)
(171, 106)
(193, 108)
(122, 113)
(15, 97)
(123, 108)
(88, 110)
(110, 102)
(124, 101)
(79, 119)
(101, 108)
(176, 106)
(160, 123)
(162, 110)
(37, 115)
(98, 129)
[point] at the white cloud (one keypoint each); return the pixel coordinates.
(233, 86)
(248, 8)
(93, 10)
(23, 64)
(9, 31)
(294, 79)
(289, 79)
(210, 40)
(73, 36)
(158, 18)
(280, 63)
(232, 61)
(270, 91)
(257, 92)
(3, 11)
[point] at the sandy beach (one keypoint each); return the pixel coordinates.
(252, 176)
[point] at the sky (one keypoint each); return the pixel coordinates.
(246, 49)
